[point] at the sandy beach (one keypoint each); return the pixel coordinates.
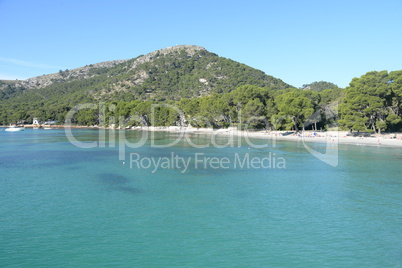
(336, 137)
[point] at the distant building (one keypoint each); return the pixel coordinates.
(36, 121)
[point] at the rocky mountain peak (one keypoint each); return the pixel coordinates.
(190, 49)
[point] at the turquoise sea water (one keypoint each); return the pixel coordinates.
(65, 206)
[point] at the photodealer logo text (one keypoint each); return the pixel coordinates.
(202, 161)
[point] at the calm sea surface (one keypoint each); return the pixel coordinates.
(279, 206)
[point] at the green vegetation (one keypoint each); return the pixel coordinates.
(373, 102)
(319, 86)
(185, 86)
(247, 107)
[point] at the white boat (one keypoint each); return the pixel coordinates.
(14, 128)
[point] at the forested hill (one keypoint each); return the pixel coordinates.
(207, 90)
(166, 74)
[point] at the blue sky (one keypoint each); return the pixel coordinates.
(297, 41)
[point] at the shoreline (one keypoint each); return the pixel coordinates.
(331, 137)
(334, 137)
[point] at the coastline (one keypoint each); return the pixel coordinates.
(334, 137)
